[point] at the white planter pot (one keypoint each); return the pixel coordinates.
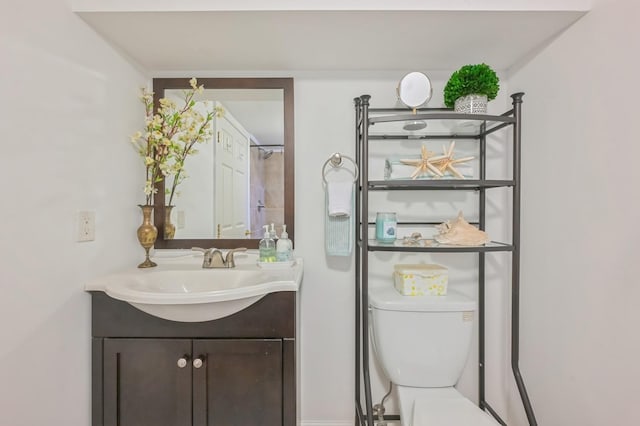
(471, 104)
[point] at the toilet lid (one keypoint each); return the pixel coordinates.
(449, 412)
(387, 298)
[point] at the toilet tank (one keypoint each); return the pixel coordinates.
(421, 341)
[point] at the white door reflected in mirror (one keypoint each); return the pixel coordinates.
(229, 177)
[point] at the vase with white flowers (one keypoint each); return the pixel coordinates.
(169, 137)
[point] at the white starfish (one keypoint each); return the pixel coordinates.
(446, 161)
(424, 164)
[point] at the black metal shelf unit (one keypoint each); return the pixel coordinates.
(446, 184)
(457, 126)
(373, 245)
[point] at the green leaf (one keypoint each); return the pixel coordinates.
(471, 79)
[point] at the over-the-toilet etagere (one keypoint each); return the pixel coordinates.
(445, 125)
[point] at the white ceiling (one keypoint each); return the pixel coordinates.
(273, 38)
(218, 36)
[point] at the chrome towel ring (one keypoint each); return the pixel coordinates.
(336, 161)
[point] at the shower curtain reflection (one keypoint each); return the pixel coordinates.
(266, 189)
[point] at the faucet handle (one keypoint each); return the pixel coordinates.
(230, 261)
(202, 250)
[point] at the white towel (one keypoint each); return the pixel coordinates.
(340, 198)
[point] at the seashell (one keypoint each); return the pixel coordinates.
(412, 240)
(460, 232)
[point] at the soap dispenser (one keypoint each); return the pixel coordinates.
(284, 248)
(267, 247)
(272, 233)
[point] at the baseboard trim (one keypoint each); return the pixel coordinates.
(326, 423)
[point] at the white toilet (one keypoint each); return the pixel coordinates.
(422, 343)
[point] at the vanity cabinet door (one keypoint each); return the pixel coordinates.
(239, 382)
(144, 383)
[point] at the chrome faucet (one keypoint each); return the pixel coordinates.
(213, 257)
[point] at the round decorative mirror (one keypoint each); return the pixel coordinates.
(414, 89)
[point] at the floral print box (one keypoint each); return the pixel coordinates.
(421, 279)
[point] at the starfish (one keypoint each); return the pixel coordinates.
(446, 162)
(424, 164)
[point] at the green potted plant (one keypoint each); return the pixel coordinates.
(470, 88)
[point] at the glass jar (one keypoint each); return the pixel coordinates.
(386, 227)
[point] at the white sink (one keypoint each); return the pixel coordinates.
(179, 289)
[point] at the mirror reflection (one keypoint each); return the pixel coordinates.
(234, 183)
(237, 181)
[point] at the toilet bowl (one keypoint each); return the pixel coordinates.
(422, 344)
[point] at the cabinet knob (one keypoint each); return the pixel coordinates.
(197, 363)
(182, 362)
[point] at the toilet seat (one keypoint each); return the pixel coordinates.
(439, 407)
(449, 412)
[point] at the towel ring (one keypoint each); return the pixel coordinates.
(336, 161)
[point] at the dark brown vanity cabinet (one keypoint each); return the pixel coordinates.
(142, 383)
(238, 370)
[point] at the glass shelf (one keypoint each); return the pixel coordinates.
(434, 184)
(373, 245)
(439, 125)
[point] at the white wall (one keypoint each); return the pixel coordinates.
(65, 138)
(324, 124)
(580, 288)
(69, 106)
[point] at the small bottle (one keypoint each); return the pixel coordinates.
(267, 247)
(284, 252)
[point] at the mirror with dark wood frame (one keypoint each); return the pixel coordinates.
(165, 87)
